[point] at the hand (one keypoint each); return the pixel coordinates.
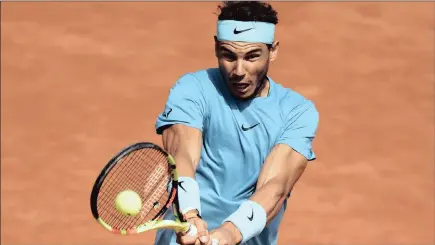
(227, 234)
(201, 238)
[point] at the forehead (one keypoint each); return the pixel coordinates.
(241, 47)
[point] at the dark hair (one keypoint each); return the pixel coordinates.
(248, 11)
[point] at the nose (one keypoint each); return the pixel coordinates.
(239, 70)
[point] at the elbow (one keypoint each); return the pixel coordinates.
(276, 187)
(296, 172)
(300, 165)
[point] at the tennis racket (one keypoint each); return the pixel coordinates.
(149, 171)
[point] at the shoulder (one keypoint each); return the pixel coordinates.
(199, 80)
(187, 80)
(294, 105)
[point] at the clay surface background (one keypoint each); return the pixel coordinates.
(81, 80)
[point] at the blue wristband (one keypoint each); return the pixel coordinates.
(250, 219)
(188, 195)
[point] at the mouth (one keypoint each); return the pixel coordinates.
(240, 87)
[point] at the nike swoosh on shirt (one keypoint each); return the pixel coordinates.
(249, 128)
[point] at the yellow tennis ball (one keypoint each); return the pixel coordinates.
(128, 202)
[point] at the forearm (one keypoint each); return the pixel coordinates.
(185, 166)
(184, 145)
(267, 199)
(183, 148)
(272, 194)
(271, 197)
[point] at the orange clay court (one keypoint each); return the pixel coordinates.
(81, 80)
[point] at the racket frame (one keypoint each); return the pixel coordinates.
(179, 224)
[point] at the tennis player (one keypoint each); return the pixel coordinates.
(241, 140)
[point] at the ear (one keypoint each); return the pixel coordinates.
(274, 51)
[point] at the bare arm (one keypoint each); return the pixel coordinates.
(281, 170)
(184, 144)
(285, 165)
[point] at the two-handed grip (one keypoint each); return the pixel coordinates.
(193, 231)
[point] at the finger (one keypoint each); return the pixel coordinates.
(215, 241)
(192, 231)
(188, 240)
(204, 238)
(202, 231)
(183, 239)
(189, 237)
(178, 240)
(212, 242)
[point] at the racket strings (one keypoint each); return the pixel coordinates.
(144, 171)
(154, 191)
(119, 220)
(125, 219)
(158, 192)
(151, 181)
(154, 178)
(120, 172)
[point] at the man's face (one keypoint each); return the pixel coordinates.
(244, 65)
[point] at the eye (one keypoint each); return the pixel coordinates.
(229, 57)
(252, 57)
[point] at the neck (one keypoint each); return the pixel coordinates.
(263, 90)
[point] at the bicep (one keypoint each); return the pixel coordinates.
(281, 164)
(181, 123)
(293, 149)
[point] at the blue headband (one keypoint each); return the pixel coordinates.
(245, 31)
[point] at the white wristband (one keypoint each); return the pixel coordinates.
(188, 195)
(250, 219)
